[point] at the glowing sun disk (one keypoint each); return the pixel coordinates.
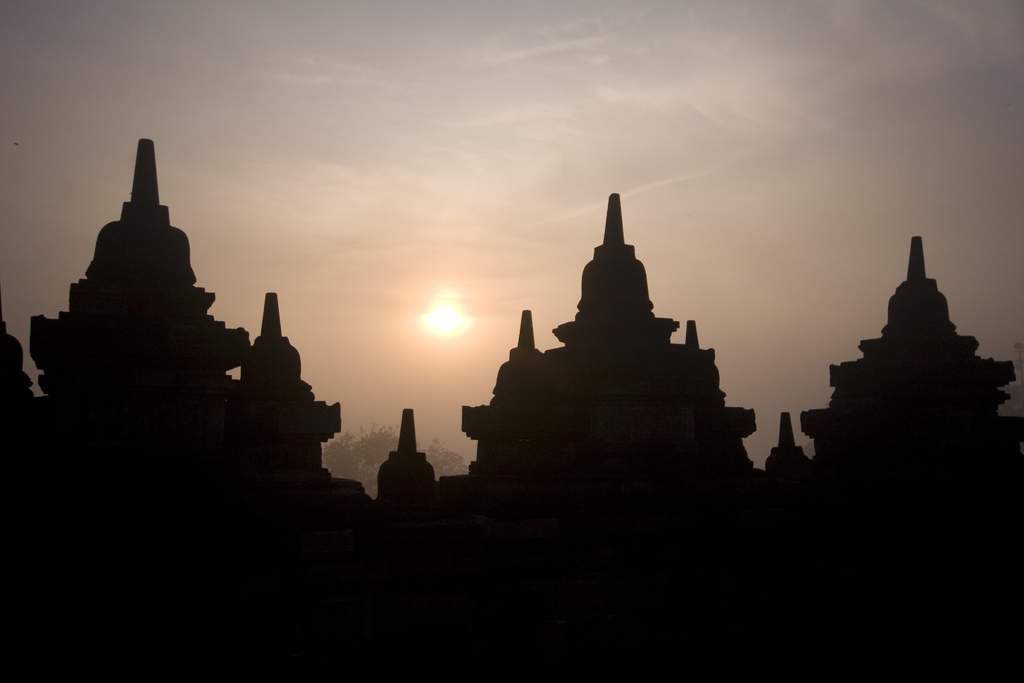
(444, 318)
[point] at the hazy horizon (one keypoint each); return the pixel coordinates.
(364, 160)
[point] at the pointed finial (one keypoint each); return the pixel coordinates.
(526, 332)
(271, 328)
(915, 270)
(786, 432)
(691, 335)
(613, 223)
(407, 436)
(144, 187)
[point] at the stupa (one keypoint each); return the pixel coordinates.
(274, 424)
(15, 385)
(406, 480)
(619, 398)
(16, 398)
(136, 363)
(920, 403)
(787, 462)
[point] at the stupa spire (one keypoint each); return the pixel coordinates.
(271, 328)
(786, 439)
(613, 235)
(526, 342)
(407, 435)
(915, 269)
(144, 206)
(691, 335)
(145, 191)
(787, 462)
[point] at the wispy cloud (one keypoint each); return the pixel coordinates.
(318, 69)
(499, 52)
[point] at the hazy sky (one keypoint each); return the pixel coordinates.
(363, 159)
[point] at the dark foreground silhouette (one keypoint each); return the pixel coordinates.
(175, 517)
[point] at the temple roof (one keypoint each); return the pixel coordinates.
(615, 306)
(137, 318)
(918, 308)
(526, 376)
(614, 282)
(143, 247)
(272, 359)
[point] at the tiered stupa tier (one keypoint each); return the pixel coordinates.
(920, 403)
(136, 363)
(619, 397)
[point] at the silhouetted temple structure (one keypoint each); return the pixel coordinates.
(611, 517)
(274, 425)
(406, 479)
(919, 403)
(619, 398)
(136, 364)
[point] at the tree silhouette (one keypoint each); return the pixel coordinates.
(446, 462)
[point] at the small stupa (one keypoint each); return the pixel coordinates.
(527, 377)
(275, 426)
(15, 385)
(619, 398)
(920, 403)
(406, 479)
(787, 462)
(136, 364)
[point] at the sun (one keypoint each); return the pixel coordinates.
(444, 318)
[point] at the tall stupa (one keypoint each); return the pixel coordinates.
(136, 364)
(619, 398)
(920, 403)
